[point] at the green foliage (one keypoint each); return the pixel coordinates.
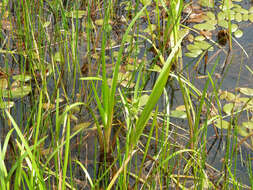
(104, 85)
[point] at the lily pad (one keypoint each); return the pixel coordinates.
(181, 108)
(238, 17)
(221, 16)
(204, 26)
(224, 7)
(245, 17)
(223, 23)
(243, 131)
(251, 17)
(192, 47)
(18, 92)
(152, 27)
(245, 100)
(211, 22)
(178, 114)
(22, 78)
(82, 126)
(183, 32)
(194, 53)
(241, 10)
(251, 10)
(204, 45)
(222, 124)
(199, 38)
(227, 108)
(248, 124)
(76, 14)
(246, 91)
(229, 96)
(210, 15)
(234, 27)
(238, 33)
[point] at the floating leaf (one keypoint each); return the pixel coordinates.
(221, 16)
(192, 47)
(222, 124)
(223, 23)
(76, 14)
(197, 18)
(241, 10)
(200, 38)
(243, 131)
(210, 15)
(248, 125)
(22, 78)
(18, 92)
(246, 91)
(232, 17)
(238, 33)
(6, 105)
(183, 32)
(245, 17)
(227, 108)
(234, 27)
(204, 45)
(238, 17)
(251, 10)
(152, 27)
(245, 100)
(211, 22)
(178, 114)
(83, 125)
(194, 53)
(229, 96)
(251, 17)
(204, 26)
(224, 7)
(181, 108)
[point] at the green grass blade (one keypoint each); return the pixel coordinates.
(155, 94)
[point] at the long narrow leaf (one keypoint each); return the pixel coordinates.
(155, 95)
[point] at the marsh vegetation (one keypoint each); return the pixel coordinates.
(146, 94)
